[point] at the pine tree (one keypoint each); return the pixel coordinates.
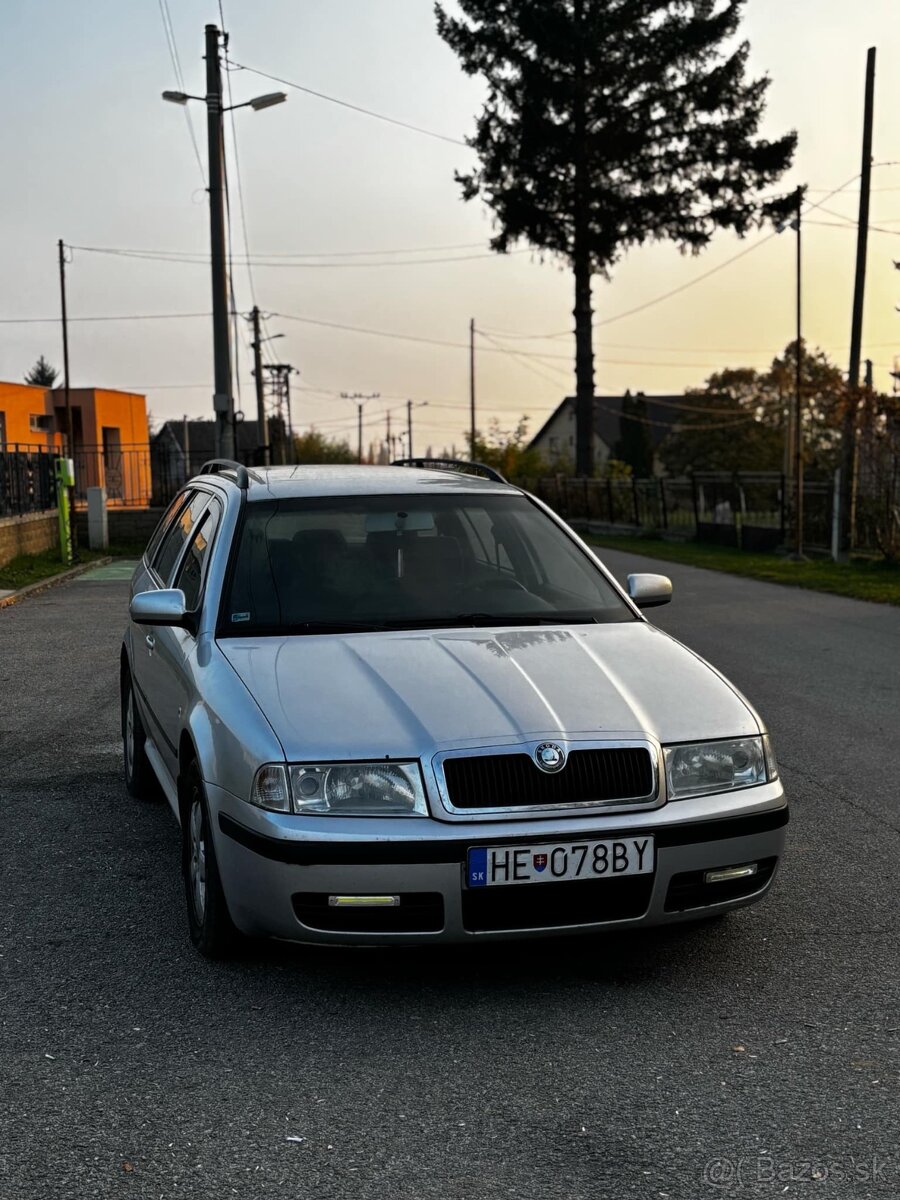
(610, 123)
(42, 374)
(635, 446)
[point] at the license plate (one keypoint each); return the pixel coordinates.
(492, 866)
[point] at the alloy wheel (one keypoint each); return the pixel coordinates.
(129, 734)
(197, 859)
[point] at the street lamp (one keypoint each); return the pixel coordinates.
(223, 400)
(268, 100)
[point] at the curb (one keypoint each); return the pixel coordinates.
(42, 584)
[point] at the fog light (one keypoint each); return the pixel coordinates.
(725, 874)
(363, 901)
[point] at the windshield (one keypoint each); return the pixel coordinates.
(402, 562)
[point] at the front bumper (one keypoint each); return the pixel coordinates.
(278, 871)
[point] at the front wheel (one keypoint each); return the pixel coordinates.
(210, 925)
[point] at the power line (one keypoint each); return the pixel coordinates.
(199, 261)
(522, 361)
(235, 332)
(373, 253)
(694, 428)
(237, 160)
(368, 112)
(179, 79)
(849, 224)
(404, 337)
(409, 337)
(204, 257)
(112, 317)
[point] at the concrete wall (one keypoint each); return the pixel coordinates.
(28, 535)
(125, 525)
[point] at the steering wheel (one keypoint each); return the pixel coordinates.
(503, 583)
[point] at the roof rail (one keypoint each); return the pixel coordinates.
(459, 464)
(221, 466)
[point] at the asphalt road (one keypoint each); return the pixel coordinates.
(758, 1057)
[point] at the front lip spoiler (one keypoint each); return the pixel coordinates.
(447, 850)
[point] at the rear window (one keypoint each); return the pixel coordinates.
(408, 562)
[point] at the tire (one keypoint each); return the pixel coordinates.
(139, 778)
(211, 928)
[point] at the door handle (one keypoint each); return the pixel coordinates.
(150, 640)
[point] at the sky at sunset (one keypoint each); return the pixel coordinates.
(92, 154)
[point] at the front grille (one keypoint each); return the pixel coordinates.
(515, 780)
(417, 912)
(548, 906)
(688, 890)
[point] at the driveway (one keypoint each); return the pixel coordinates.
(756, 1057)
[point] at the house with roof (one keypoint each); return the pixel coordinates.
(555, 440)
(180, 448)
(109, 434)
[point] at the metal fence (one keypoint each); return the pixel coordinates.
(171, 468)
(27, 480)
(125, 472)
(748, 509)
(139, 475)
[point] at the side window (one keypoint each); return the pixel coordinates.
(193, 567)
(162, 528)
(179, 532)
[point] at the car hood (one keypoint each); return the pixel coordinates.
(416, 693)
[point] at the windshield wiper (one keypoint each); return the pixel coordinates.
(481, 618)
(397, 624)
(334, 627)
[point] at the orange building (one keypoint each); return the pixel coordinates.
(110, 435)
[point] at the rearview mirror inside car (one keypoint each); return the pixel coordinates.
(649, 591)
(163, 607)
(417, 521)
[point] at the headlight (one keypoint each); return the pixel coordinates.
(366, 789)
(715, 767)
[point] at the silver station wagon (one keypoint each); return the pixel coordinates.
(409, 704)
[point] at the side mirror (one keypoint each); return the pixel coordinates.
(165, 607)
(649, 591)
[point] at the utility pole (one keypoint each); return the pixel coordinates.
(409, 452)
(263, 437)
(70, 433)
(798, 401)
(472, 390)
(281, 373)
(848, 436)
(288, 373)
(70, 426)
(388, 415)
(223, 401)
(278, 454)
(359, 399)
